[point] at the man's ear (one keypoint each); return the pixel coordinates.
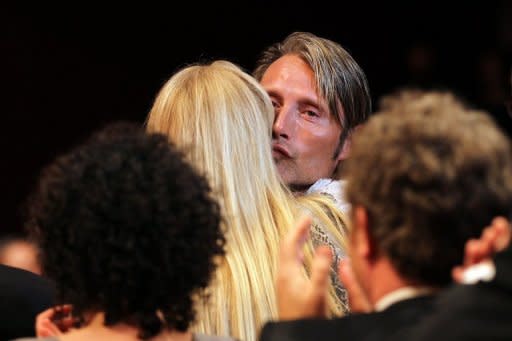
(347, 145)
(345, 149)
(365, 244)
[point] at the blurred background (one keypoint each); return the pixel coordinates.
(67, 70)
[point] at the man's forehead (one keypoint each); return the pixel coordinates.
(291, 78)
(289, 68)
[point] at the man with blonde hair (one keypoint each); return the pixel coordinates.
(425, 175)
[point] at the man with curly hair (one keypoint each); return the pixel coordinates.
(130, 235)
(425, 175)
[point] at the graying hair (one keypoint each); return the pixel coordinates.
(339, 79)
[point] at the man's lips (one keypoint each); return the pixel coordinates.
(280, 151)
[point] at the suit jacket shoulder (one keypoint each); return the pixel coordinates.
(23, 295)
(477, 312)
(373, 326)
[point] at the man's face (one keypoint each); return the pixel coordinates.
(305, 135)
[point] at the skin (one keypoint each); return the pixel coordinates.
(298, 297)
(359, 255)
(21, 254)
(305, 135)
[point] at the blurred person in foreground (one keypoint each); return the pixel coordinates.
(130, 235)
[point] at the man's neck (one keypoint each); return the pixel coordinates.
(299, 189)
(402, 294)
(387, 280)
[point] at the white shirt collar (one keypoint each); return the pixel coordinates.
(401, 294)
(333, 188)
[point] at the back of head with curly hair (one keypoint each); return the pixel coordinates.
(128, 228)
(431, 174)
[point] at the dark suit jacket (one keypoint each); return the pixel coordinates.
(473, 312)
(373, 326)
(22, 296)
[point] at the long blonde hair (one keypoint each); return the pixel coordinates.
(223, 119)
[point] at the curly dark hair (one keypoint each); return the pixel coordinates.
(431, 174)
(127, 227)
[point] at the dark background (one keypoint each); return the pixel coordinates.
(67, 70)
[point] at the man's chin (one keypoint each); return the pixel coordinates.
(288, 175)
(285, 173)
(299, 188)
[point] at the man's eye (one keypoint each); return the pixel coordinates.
(311, 113)
(275, 104)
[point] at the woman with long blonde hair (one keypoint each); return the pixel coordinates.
(222, 118)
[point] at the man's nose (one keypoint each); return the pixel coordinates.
(283, 123)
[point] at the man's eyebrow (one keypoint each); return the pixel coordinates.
(304, 101)
(274, 94)
(310, 102)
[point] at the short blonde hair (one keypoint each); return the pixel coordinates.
(223, 118)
